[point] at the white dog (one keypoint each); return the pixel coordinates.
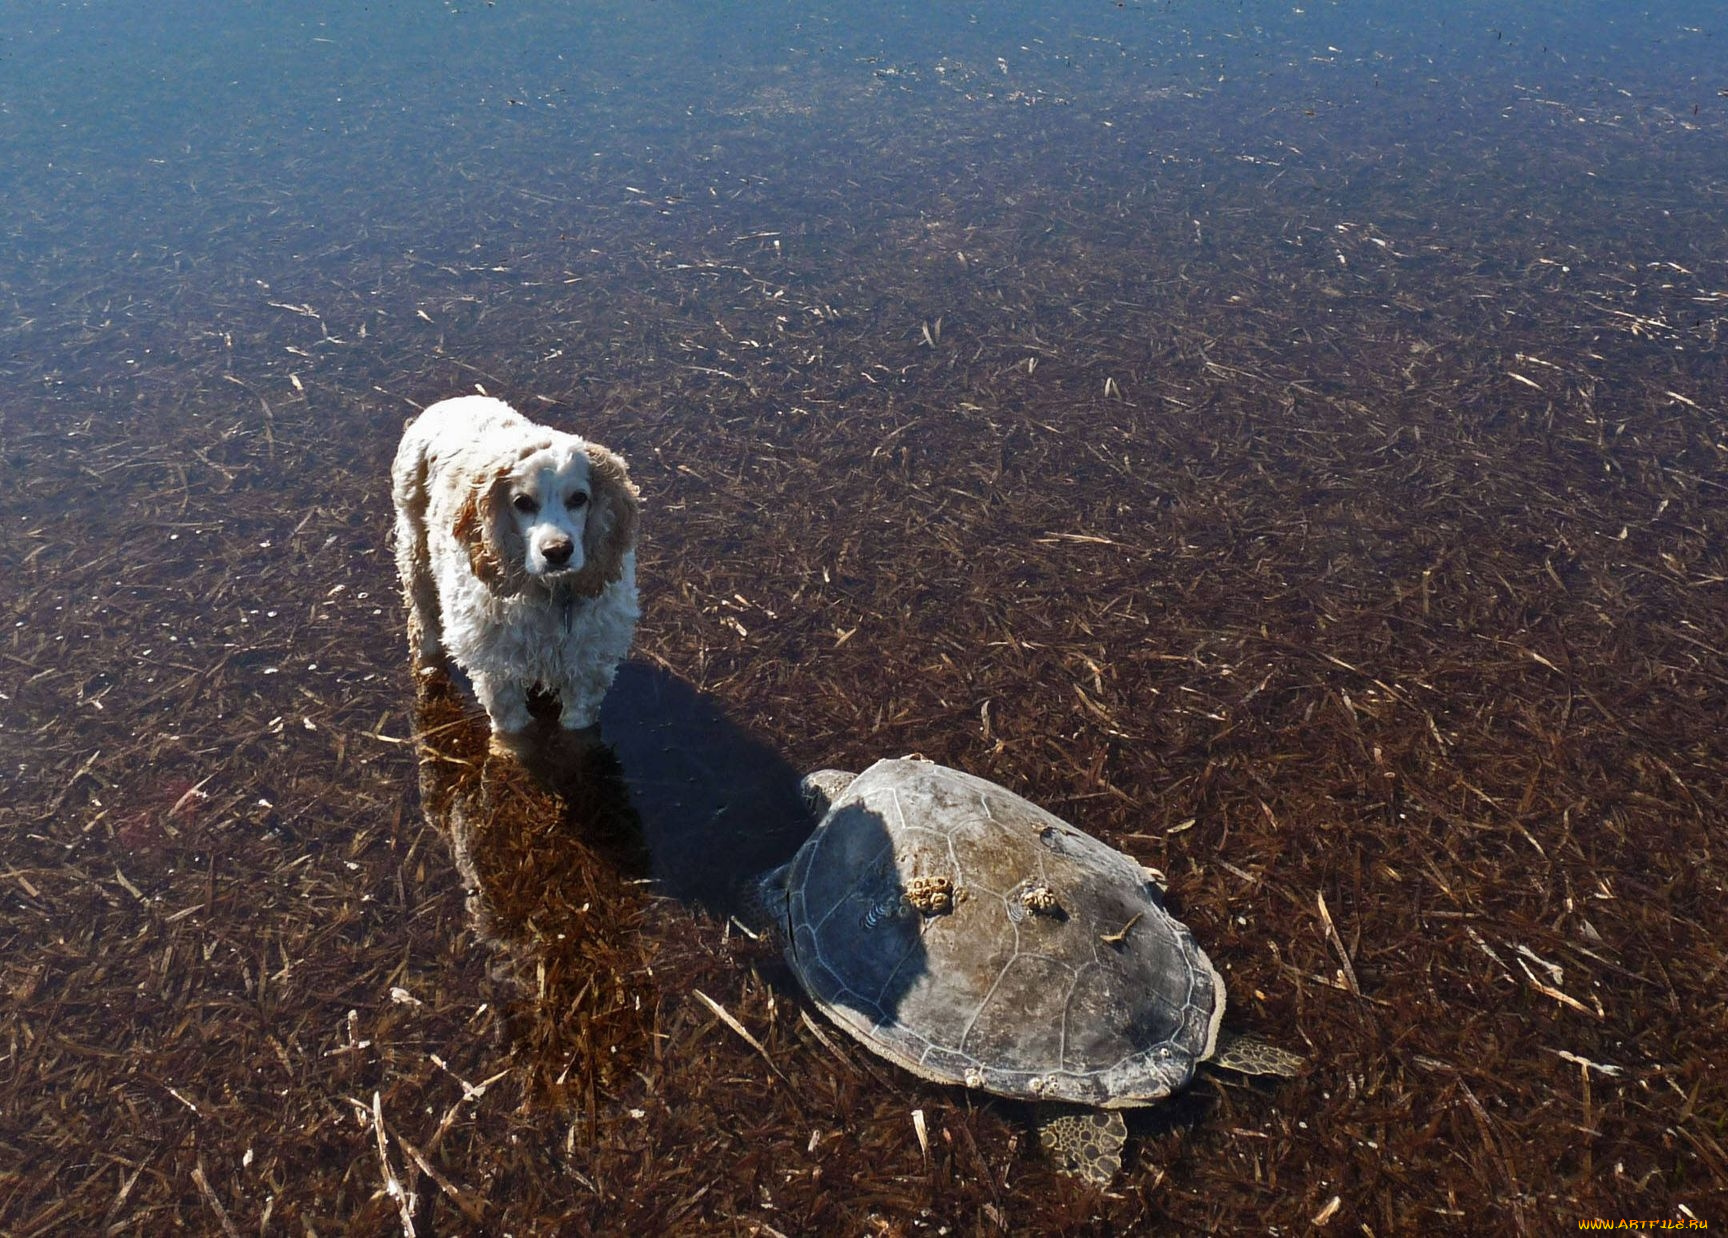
(517, 549)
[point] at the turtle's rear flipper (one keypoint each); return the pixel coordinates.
(1082, 1143)
(1249, 1055)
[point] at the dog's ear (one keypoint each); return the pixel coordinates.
(610, 531)
(486, 532)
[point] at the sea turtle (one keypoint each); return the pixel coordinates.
(971, 937)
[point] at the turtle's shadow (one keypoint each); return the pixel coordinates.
(1194, 1106)
(1185, 1111)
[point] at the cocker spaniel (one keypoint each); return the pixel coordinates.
(516, 544)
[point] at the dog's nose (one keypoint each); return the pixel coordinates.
(558, 550)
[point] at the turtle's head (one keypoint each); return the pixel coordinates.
(820, 789)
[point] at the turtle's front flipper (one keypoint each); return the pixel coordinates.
(1082, 1143)
(1249, 1055)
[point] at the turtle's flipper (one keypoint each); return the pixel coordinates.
(1083, 1143)
(1249, 1055)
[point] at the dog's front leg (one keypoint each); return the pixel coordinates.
(505, 699)
(582, 691)
(577, 710)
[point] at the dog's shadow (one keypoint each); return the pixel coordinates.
(717, 806)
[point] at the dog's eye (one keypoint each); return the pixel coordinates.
(525, 504)
(576, 500)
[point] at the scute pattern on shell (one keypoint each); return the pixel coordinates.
(987, 995)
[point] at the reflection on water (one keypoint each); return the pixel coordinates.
(1286, 440)
(562, 844)
(551, 863)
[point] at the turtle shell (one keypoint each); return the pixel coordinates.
(969, 936)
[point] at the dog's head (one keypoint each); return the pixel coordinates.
(562, 514)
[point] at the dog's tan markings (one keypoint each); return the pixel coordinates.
(610, 532)
(481, 528)
(467, 528)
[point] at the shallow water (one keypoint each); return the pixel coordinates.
(1286, 441)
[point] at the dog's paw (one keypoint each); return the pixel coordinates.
(511, 744)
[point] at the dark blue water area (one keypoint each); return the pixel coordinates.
(172, 153)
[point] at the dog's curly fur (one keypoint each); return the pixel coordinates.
(516, 545)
